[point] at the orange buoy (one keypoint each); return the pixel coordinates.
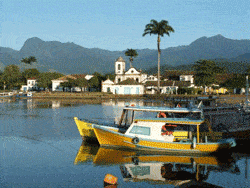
(110, 180)
(162, 115)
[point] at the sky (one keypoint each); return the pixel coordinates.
(117, 25)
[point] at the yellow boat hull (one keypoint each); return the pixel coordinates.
(113, 139)
(85, 129)
(87, 132)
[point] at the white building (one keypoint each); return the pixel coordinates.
(31, 85)
(131, 73)
(187, 78)
(126, 82)
(56, 83)
(129, 87)
(133, 81)
(107, 86)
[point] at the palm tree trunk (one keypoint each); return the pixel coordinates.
(159, 57)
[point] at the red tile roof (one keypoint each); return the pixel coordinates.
(168, 83)
(129, 81)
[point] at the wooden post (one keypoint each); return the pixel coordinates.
(210, 129)
(120, 123)
(198, 133)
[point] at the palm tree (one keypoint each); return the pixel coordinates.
(158, 28)
(28, 60)
(132, 53)
(32, 59)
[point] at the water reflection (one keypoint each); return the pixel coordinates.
(40, 145)
(177, 170)
(31, 103)
(86, 153)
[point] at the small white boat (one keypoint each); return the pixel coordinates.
(6, 94)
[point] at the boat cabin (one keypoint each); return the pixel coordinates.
(161, 123)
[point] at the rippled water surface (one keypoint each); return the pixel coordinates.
(41, 147)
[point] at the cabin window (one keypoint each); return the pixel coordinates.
(140, 130)
(140, 170)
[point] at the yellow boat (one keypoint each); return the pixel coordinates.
(161, 129)
(87, 132)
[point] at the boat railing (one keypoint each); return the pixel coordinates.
(184, 120)
(207, 136)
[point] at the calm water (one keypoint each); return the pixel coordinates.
(41, 147)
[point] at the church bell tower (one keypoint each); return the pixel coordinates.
(120, 66)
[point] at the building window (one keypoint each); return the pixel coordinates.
(119, 66)
(137, 79)
(119, 80)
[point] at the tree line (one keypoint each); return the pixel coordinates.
(13, 78)
(206, 74)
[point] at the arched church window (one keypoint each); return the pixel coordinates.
(119, 66)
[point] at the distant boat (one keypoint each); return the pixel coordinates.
(29, 94)
(21, 94)
(7, 94)
(225, 120)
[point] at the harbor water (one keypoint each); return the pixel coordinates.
(41, 147)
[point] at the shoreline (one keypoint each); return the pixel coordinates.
(227, 99)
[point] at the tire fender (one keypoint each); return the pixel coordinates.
(135, 140)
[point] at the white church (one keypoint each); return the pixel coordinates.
(132, 82)
(126, 82)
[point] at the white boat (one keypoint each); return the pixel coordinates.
(6, 94)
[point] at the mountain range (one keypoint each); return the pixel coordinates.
(70, 58)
